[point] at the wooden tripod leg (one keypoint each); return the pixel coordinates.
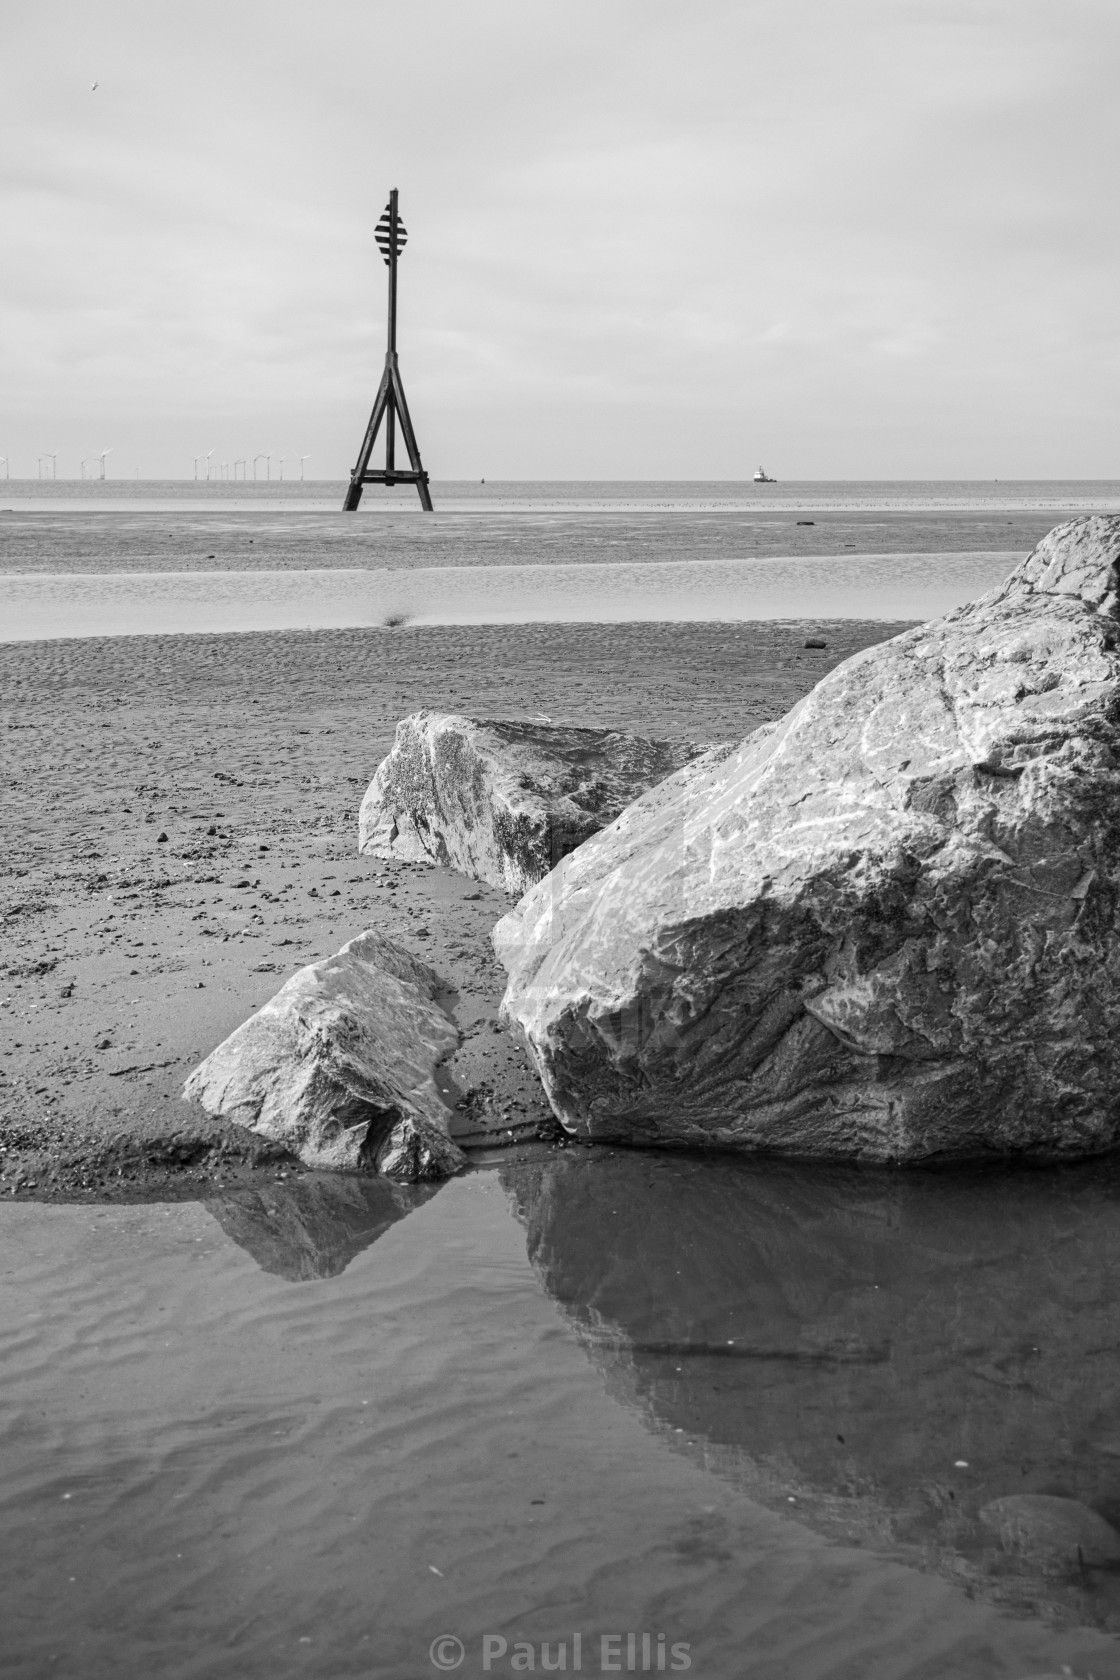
(410, 439)
(354, 493)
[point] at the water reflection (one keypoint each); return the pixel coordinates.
(882, 1353)
(312, 1226)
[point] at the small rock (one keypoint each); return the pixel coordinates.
(212, 829)
(312, 892)
(103, 1044)
(161, 836)
(1058, 1536)
(503, 799)
(816, 642)
(339, 1066)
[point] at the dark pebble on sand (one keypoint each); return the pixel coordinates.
(161, 836)
(816, 642)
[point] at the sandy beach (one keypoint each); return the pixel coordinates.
(128, 956)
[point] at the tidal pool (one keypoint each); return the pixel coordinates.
(316, 1426)
(35, 606)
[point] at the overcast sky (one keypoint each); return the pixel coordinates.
(843, 238)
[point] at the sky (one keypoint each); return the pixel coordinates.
(869, 239)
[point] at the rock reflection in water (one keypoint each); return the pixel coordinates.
(884, 1354)
(313, 1226)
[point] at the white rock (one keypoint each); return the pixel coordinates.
(887, 927)
(339, 1065)
(504, 799)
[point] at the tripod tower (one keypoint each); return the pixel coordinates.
(390, 404)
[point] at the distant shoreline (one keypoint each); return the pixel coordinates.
(513, 496)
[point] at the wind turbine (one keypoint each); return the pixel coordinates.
(281, 468)
(206, 458)
(267, 458)
(242, 463)
(53, 459)
(302, 459)
(101, 458)
(4, 458)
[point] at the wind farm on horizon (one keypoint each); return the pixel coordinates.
(204, 468)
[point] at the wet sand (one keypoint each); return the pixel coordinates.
(60, 539)
(127, 957)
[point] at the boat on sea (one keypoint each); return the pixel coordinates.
(763, 477)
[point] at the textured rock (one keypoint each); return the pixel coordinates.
(503, 800)
(884, 928)
(339, 1066)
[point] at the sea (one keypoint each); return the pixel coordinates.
(85, 558)
(575, 1411)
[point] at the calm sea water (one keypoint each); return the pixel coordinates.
(1089, 495)
(312, 1427)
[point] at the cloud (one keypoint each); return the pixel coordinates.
(874, 239)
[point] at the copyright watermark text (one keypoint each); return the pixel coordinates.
(602, 1653)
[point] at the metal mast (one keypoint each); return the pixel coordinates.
(390, 404)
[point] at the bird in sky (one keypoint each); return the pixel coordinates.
(95, 87)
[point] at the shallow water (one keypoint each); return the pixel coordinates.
(309, 1428)
(35, 606)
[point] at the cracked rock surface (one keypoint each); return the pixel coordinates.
(504, 799)
(883, 928)
(340, 1066)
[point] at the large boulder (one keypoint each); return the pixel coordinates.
(886, 927)
(502, 799)
(340, 1066)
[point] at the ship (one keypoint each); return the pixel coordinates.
(763, 477)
